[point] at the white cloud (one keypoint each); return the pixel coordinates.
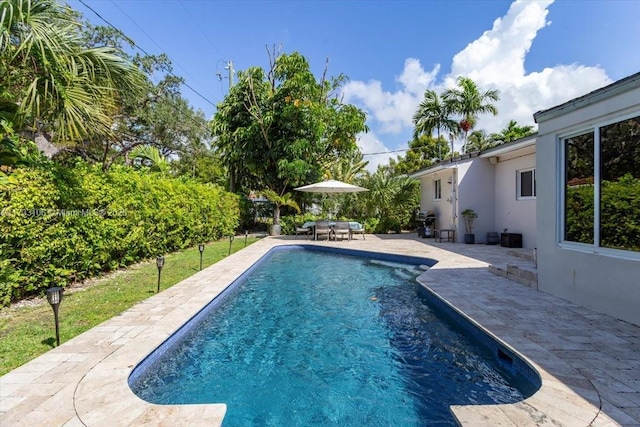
(391, 112)
(415, 79)
(495, 60)
(499, 53)
(369, 143)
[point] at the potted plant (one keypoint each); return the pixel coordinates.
(469, 216)
(279, 201)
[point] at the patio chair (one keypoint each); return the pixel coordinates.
(342, 228)
(357, 228)
(322, 228)
(303, 230)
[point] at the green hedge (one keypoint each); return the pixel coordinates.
(60, 224)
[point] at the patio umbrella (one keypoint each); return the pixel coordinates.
(331, 186)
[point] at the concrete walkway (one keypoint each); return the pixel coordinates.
(589, 362)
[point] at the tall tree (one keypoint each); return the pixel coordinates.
(282, 128)
(423, 152)
(50, 80)
(391, 198)
(479, 140)
(434, 114)
(512, 132)
(347, 168)
(468, 102)
(156, 115)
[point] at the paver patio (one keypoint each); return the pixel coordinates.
(589, 362)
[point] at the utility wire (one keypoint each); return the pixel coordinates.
(171, 73)
(206, 37)
(396, 151)
(204, 34)
(389, 152)
(143, 51)
(159, 47)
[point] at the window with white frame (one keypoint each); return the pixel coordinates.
(526, 183)
(601, 188)
(437, 189)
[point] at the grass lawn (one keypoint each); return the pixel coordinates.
(28, 331)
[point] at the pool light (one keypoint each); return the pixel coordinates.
(54, 296)
(160, 264)
(201, 249)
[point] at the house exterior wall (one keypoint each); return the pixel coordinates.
(476, 190)
(518, 216)
(441, 208)
(605, 280)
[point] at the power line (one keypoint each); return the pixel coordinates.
(172, 74)
(143, 51)
(158, 46)
(388, 152)
(397, 151)
(204, 34)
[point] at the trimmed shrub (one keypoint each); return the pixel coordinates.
(60, 224)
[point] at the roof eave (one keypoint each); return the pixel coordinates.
(518, 144)
(615, 88)
(444, 164)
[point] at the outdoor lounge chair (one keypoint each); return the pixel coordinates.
(303, 230)
(357, 228)
(322, 228)
(342, 228)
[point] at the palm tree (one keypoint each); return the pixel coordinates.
(51, 79)
(280, 200)
(512, 132)
(150, 157)
(347, 168)
(479, 140)
(433, 114)
(467, 101)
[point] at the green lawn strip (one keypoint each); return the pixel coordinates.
(27, 332)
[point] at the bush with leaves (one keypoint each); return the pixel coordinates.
(58, 224)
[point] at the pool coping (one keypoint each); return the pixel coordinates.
(85, 380)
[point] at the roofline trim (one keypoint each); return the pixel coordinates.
(611, 90)
(504, 148)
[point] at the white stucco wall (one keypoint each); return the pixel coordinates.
(605, 280)
(476, 190)
(441, 208)
(518, 216)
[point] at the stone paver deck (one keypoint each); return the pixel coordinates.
(589, 363)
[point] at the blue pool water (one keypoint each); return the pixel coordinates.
(312, 339)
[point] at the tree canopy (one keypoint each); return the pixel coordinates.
(468, 101)
(50, 80)
(434, 114)
(512, 132)
(282, 127)
(80, 87)
(423, 152)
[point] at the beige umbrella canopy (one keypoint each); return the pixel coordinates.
(331, 186)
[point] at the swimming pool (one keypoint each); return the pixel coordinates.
(301, 359)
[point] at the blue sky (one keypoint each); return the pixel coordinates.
(537, 53)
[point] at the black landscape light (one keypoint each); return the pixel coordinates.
(246, 234)
(201, 249)
(230, 242)
(160, 264)
(54, 296)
